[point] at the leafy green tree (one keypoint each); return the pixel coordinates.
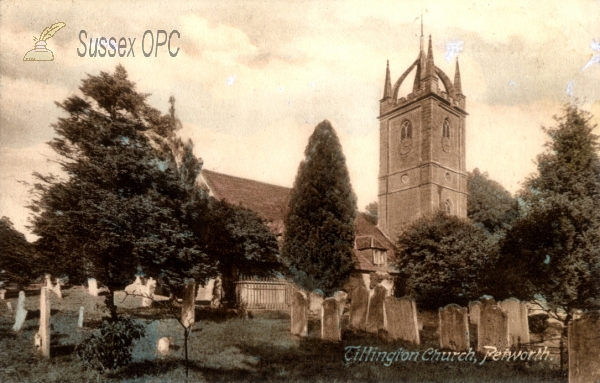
(553, 249)
(242, 244)
(489, 205)
(17, 262)
(128, 200)
(372, 212)
(319, 226)
(443, 259)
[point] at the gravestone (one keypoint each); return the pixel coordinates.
(299, 320)
(2, 294)
(188, 312)
(43, 335)
(135, 287)
(315, 303)
(474, 312)
(148, 292)
(205, 293)
(9, 305)
(402, 319)
(376, 312)
(454, 328)
(80, 319)
(217, 293)
(330, 321)
(163, 345)
(518, 323)
(359, 307)
(21, 312)
(341, 297)
(56, 289)
(493, 328)
(48, 279)
(584, 348)
(93, 287)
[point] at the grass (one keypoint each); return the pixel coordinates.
(225, 348)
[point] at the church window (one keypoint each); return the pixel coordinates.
(406, 130)
(446, 128)
(378, 257)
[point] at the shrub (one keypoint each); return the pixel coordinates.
(111, 346)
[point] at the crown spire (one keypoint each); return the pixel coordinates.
(457, 85)
(387, 92)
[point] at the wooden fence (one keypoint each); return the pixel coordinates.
(268, 294)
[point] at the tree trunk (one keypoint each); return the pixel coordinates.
(110, 303)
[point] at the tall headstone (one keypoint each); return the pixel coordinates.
(299, 320)
(402, 319)
(80, 319)
(21, 312)
(2, 294)
(9, 305)
(148, 292)
(56, 289)
(43, 335)
(454, 328)
(474, 312)
(205, 293)
(341, 297)
(359, 307)
(493, 328)
(93, 287)
(217, 293)
(48, 279)
(188, 313)
(518, 323)
(584, 348)
(330, 320)
(376, 313)
(315, 302)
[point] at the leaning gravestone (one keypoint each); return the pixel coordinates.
(359, 307)
(584, 348)
(402, 319)
(188, 312)
(299, 321)
(474, 312)
(493, 328)
(454, 328)
(43, 336)
(330, 320)
(518, 323)
(376, 313)
(93, 287)
(21, 312)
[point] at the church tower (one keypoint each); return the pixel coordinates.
(421, 146)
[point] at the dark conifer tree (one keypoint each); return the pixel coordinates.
(319, 226)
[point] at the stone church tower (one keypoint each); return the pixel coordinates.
(421, 146)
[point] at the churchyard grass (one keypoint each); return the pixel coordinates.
(225, 347)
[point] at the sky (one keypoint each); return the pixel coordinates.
(253, 78)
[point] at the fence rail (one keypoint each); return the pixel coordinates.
(264, 294)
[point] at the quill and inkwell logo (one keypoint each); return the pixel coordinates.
(41, 53)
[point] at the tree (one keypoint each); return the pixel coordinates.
(443, 259)
(489, 205)
(372, 212)
(17, 263)
(319, 226)
(553, 249)
(242, 244)
(129, 201)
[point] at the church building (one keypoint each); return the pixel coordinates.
(421, 146)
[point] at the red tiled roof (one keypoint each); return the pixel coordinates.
(271, 202)
(267, 200)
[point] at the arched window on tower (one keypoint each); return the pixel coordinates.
(446, 128)
(448, 207)
(406, 130)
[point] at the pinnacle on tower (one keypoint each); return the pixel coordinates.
(387, 92)
(430, 68)
(457, 85)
